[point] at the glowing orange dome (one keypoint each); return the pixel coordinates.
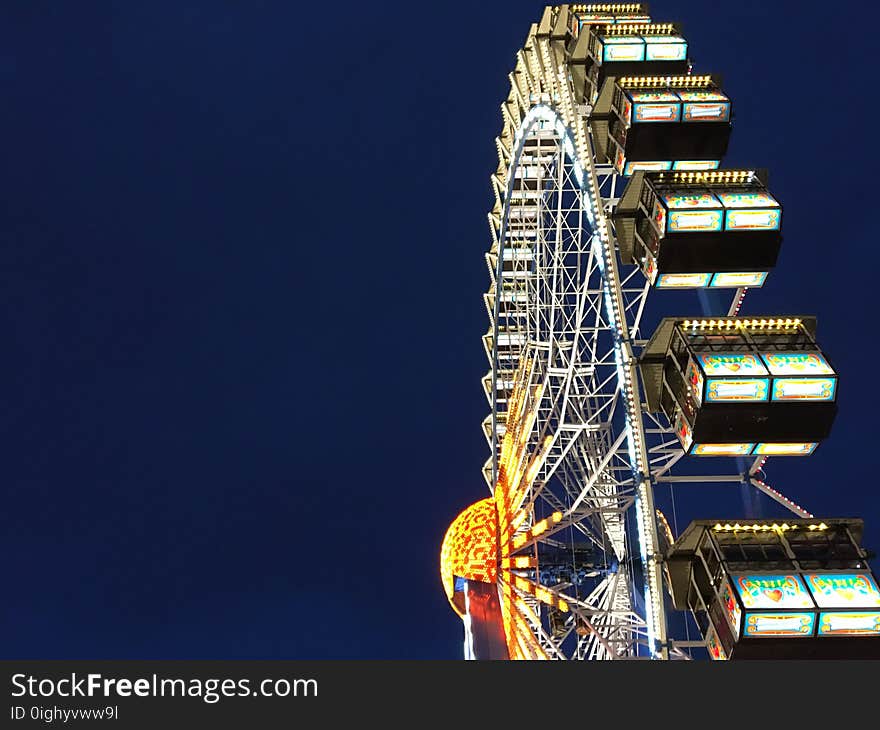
(470, 548)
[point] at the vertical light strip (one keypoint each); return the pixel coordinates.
(624, 360)
(645, 520)
(466, 620)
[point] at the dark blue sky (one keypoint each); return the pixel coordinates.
(241, 269)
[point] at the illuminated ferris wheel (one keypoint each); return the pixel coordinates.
(609, 186)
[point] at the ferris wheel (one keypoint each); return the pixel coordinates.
(609, 190)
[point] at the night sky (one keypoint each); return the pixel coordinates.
(241, 277)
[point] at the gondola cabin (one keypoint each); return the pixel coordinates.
(795, 589)
(685, 230)
(667, 123)
(739, 386)
(581, 20)
(628, 49)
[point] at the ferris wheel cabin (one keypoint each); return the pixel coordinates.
(739, 386)
(625, 47)
(799, 589)
(665, 123)
(718, 229)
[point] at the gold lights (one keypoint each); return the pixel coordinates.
(613, 8)
(524, 585)
(642, 29)
(538, 529)
(672, 82)
(775, 527)
(469, 548)
(666, 528)
(724, 177)
(541, 527)
(727, 323)
(520, 562)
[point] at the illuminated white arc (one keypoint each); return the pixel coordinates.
(601, 243)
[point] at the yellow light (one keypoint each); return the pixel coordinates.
(615, 8)
(639, 28)
(672, 82)
(727, 527)
(537, 462)
(707, 176)
(740, 323)
(469, 547)
(519, 518)
(540, 528)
